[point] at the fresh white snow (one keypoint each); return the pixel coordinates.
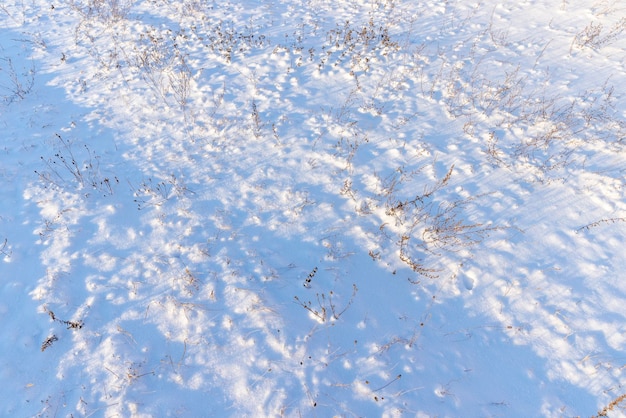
(312, 208)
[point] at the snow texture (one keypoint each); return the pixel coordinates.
(312, 208)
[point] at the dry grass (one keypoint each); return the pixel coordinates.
(611, 406)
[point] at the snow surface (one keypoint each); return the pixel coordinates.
(312, 208)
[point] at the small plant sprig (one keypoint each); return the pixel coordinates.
(319, 313)
(256, 123)
(600, 222)
(107, 11)
(325, 305)
(48, 342)
(70, 324)
(131, 373)
(20, 83)
(417, 265)
(190, 282)
(610, 407)
(68, 163)
(50, 225)
(593, 36)
(6, 249)
(446, 231)
(409, 211)
(83, 171)
(494, 154)
(155, 193)
(333, 308)
(307, 281)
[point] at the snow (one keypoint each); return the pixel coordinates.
(312, 208)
